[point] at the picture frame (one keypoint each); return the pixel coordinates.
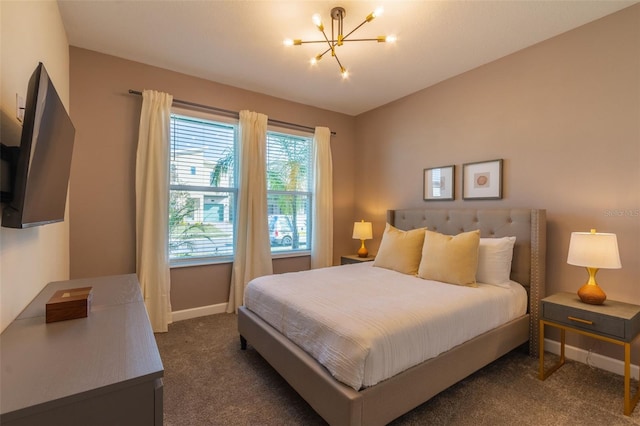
(439, 183)
(482, 180)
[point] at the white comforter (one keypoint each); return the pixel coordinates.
(365, 324)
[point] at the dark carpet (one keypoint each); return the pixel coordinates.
(208, 380)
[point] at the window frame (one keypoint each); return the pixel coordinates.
(208, 260)
(233, 121)
(309, 193)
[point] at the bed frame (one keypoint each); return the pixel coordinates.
(339, 404)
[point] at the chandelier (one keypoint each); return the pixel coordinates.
(336, 40)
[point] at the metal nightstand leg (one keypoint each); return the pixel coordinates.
(629, 401)
(542, 374)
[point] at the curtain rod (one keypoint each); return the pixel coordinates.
(236, 114)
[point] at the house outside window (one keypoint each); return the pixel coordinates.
(202, 189)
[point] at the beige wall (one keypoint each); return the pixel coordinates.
(565, 117)
(30, 32)
(102, 203)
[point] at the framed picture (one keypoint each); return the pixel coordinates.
(438, 183)
(482, 181)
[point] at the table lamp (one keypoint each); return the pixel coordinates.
(593, 250)
(362, 231)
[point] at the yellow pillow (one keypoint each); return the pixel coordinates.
(400, 250)
(450, 259)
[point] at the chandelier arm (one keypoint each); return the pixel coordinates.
(363, 39)
(316, 41)
(353, 30)
(331, 46)
(325, 52)
(339, 63)
(335, 41)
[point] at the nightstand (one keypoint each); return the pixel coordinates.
(613, 322)
(354, 258)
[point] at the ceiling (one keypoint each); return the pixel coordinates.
(239, 43)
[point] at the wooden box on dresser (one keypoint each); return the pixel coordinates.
(104, 369)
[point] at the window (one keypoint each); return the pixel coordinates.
(203, 189)
(289, 191)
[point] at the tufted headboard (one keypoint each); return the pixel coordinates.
(529, 252)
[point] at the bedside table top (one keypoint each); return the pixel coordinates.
(609, 307)
(354, 258)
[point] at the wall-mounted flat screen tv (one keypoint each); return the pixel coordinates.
(41, 165)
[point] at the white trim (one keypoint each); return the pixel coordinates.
(590, 358)
(200, 311)
(201, 261)
(209, 115)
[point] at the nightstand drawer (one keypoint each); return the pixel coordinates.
(584, 320)
(617, 320)
(346, 260)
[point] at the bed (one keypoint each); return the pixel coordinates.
(340, 404)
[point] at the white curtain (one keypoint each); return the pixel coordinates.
(152, 207)
(322, 234)
(253, 249)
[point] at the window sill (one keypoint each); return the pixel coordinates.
(187, 263)
(203, 261)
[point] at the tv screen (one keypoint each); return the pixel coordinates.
(43, 164)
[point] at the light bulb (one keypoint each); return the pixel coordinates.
(386, 39)
(344, 73)
(374, 14)
(288, 42)
(317, 21)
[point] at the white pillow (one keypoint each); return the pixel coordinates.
(494, 261)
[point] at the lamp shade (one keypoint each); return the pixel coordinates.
(362, 231)
(594, 250)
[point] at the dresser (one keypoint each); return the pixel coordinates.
(104, 369)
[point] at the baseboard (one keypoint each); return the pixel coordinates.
(200, 311)
(606, 363)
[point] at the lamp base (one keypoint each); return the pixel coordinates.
(592, 294)
(363, 252)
